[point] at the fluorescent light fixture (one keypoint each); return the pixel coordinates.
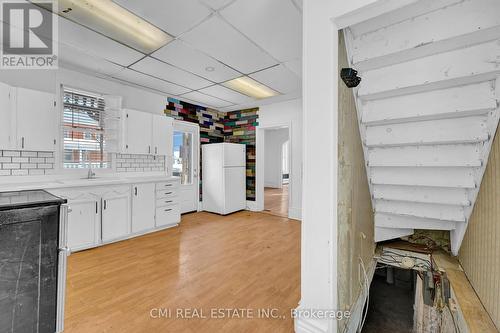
(250, 87)
(114, 21)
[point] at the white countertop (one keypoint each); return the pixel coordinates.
(55, 182)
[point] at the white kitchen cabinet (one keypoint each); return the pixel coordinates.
(143, 207)
(138, 132)
(115, 216)
(83, 225)
(36, 120)
(6, 112)
(84, 222)
(163, 135)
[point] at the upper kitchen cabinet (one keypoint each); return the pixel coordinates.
(36, 120)
(5, 116)
(137, 132)
(163, 135)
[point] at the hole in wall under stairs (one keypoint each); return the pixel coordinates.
(409, 292)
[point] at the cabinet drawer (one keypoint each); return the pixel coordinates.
(167, 202)
(168, 215)
(167, 185)
(166, 194)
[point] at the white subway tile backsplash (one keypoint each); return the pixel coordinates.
(44, 166)
(11, 166)
(29, 153)
(11, 153)
(139, 163)
(19, 172)
(20, 159)
(23, 163)
(28, 166)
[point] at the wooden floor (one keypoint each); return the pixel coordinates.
(241, 261)
(276, 201)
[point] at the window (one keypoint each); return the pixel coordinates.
(84, 131)
(183, 156)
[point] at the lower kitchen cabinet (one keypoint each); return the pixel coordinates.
(143, 207)
(115, 219)
(84, 217)
(83, 224)
(104, 214)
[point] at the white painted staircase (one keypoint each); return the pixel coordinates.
(428, 106)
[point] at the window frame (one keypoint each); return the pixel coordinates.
(78, 171)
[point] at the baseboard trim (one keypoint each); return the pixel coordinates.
(303, 325)
(253, 206)
(295, 213)
(357, 308)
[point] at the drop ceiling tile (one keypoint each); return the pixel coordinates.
(206, 100)
(216, 4)
(274, 25)
(227, 94)
(181, 55)
(170, 73)
(95, 44)
(172, 16)
(279, 78)
(295, 66)
(149, 82)
(223, 42)
(70, 57)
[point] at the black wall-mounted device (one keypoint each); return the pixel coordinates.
(350, 77)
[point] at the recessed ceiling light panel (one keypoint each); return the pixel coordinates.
(114, 21)
(250, 87)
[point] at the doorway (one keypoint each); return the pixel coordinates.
(186, 144)
(276, 171)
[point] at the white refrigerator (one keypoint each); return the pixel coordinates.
(223, 177)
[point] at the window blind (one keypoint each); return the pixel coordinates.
(84, 131)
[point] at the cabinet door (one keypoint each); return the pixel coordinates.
(5, 117)
(163, 135)
(36, 120)
(83, 224)
(143, 207)
(138, 136)
(115, 221)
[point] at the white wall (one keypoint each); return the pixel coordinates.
(273, 162)
(321, 22)
(288, 113)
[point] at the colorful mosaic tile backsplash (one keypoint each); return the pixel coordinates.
(235, 126)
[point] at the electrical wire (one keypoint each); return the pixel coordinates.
(367, 291)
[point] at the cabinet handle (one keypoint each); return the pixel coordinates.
(104, 204)
(135, 189)
(22, 142)
(96, 208)
(168, 192)
(156, 150)
(169, 201)
(149, 149)
(168, 210)
(168, 185)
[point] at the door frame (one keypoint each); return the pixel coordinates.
(258, 205)
(196, 169)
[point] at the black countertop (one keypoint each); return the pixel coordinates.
(27, 199)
